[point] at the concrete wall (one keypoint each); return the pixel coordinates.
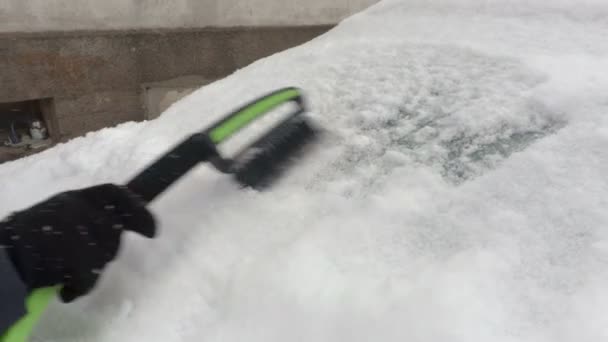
(97, 79)
(91, 64)
(66, 15)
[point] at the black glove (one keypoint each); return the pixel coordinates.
(69, 238)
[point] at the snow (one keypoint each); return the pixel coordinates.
(458, 194)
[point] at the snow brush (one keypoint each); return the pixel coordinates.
(254, 166)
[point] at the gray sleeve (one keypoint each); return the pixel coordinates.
(13, 294)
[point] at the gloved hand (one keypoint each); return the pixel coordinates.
(69, 238)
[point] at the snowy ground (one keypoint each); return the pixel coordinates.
(459, 194)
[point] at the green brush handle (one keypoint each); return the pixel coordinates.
(241, 117)
(161, 174)
(168, 169)
(36, 304)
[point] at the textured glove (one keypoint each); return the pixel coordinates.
(69, 238)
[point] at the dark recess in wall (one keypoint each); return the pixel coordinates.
(26, 127)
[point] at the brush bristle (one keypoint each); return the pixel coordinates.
(271, 155)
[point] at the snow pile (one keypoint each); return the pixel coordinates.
(459, 193)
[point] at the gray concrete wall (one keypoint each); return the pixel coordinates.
(96, 63)
(66, 15)
(95, 79)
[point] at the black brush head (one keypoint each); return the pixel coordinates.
(270, 156)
